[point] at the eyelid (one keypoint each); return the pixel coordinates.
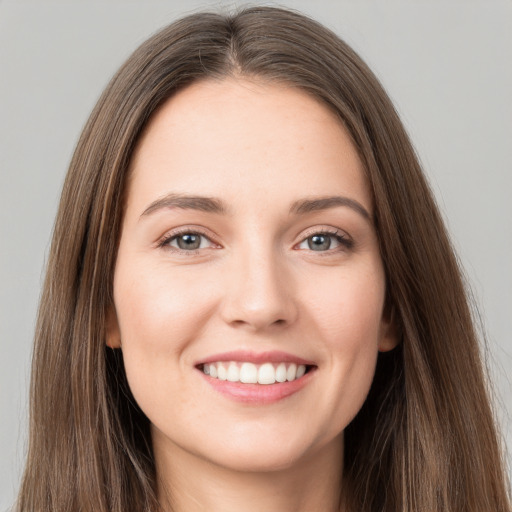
(328, 230)
(163, 241)
(324, 229)
(345, 240)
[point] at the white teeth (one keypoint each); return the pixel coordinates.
(233, 373)
(291, 373)
(266, 374)
(222, 374)
(281, 373)
(249, 373)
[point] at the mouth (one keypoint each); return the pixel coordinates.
(250, 373)
(256, 378)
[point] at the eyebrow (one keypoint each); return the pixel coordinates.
(185, 202)
(214, 205)
(324, 203)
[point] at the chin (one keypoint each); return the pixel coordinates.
(259, 461)
(263, 453)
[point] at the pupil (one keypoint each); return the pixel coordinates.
(319, 242)
(189, 242)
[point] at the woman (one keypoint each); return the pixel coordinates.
(251, 299)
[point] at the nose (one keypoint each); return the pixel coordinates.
(259, 292)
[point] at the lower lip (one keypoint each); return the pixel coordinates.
(258, 393)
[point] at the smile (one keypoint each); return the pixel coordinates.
(251, 373)
(256, 378)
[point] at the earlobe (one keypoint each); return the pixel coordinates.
(112, 332)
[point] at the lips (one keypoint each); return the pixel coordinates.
(274, 356)
(263, 377)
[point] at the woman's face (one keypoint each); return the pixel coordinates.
(248, 253)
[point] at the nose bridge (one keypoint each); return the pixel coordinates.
(260, 289)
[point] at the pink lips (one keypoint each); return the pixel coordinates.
(273, 356)
(257, 394)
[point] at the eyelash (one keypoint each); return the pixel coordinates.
(163, 243)
(344, 241)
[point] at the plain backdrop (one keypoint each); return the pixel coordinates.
(447, 65)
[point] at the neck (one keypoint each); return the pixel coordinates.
(191, 484)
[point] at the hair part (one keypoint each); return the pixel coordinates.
(425, 438)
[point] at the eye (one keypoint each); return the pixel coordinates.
(186, 241)
(324, 241)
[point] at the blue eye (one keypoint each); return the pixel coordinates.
(324, 241)
(319, 242)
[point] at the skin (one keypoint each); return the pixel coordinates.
(254, 284)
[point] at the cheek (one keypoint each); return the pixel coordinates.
(348, 309)
(160, 314)
(348, 316)
(158, 318)
(157, 311)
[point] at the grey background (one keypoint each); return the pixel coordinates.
(446, 64)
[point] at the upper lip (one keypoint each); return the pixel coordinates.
(271, 356)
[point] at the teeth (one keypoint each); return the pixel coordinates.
(249, 373)
(281, 373)
(266, 374)
(222, 374)
(291, 374)
(233, 373)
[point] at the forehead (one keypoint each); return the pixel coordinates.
(242, 140)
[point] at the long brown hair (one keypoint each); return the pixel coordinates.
(425, 439)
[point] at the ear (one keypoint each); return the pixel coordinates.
(112, 332)
(390, 333)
